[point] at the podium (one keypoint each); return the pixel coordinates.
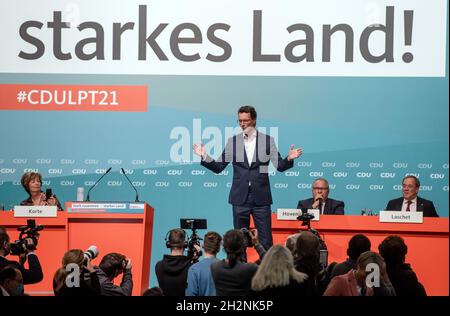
(428, 243)
(121, 227)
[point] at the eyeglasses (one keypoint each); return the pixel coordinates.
(320, 188)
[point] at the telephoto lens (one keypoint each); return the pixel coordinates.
(90, 253)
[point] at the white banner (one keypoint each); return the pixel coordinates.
(204, 37)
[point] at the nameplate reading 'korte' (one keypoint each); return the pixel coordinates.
(401, 217)
(35, 211)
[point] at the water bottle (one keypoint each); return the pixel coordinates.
(80, 194)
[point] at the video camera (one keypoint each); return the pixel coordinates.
(193, 224)
(306, 218)
(30, 231)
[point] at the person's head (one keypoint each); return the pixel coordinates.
(362, 268)
(247, 117)
(2, 229)
(357, 245)
(233, 244)
(113, 264)
(5, 246)
(154, 291)
(276, 269)
(72, 256)
(307, 246)
(176, 239)
(320, 188)
(32, 182)
(393, 249)
(410, 187)
(11, 280)
(211, 243)
(291, 242)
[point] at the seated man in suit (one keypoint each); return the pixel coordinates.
(320, 200)
(410, 202)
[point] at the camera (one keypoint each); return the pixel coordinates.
(193, 224)
(90, 254)
(30, 231)
(248, 242)
(306, 218)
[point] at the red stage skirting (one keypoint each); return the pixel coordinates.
(428, 246)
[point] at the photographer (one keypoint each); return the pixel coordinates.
(11, 282)
(76, 277)
(251, 240)
(111, 266)
(34, 272)
(173, 269)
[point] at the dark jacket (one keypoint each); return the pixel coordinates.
(31, 275)
(331, 206)
(244, 173)
(343, 267)
(172, 274)
(425, 206)
(89, 286)
(404, 280)
(233, 281)
(108, 288)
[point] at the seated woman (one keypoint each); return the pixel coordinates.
(32, 183)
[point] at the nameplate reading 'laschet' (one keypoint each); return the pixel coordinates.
(287, 214)
(35, 211)
(401, 217)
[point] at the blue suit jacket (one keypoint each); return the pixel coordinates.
(244, 173)
(425, 206)
(331, 206)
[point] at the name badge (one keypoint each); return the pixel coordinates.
(35, 211)
(316, 213)
(401, 217)
(288, 214)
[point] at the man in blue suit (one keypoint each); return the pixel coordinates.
(250, 153)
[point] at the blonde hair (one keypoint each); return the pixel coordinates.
(72, 256)
(276, 269)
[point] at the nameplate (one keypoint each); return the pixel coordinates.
(401, 217)
(101, 206)
(35, 211)
(288, 214)
(316, 213)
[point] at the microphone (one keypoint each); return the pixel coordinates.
(137, 195)
(87, 197)
(320, 204)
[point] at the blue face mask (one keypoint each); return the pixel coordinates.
(19, 290)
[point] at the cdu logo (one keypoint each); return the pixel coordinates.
(100, 171)
(387, 175)
(426, 188)
(417, 175)
(185, 184)
(376, 187)
(139, 183)
(162, 162)
(352, 186)
(198, 172)
(67, 183)
(114, 161)
(363, 175)
(445, 188)
(46, 182)
(303, 186)
(328, 164)
(89, 183)
(114, 183)
(19, 161)
(352, 164)
(315, 174)
(55, 171)
(374, 165)
(437, 176)
(425, 165)
(30, 170)
(150, 172)
(210, 184)
(397, 187)
(8, 171)
(340, 174)
(400, 165)
(16, 183)
(67, 161)
(280, 185)
(127, 171)
(79, 171)
(174, 172)
(304, 164)
(223, 173)
(43, 161)
(161, 184)
(91, 162)
(138, 162)
(292, 173)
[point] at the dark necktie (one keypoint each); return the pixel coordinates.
(408, 207)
